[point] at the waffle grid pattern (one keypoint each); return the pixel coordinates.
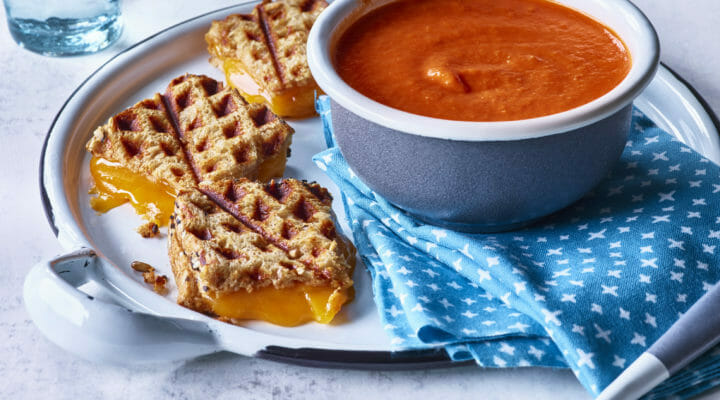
(269, 42)
(185, 136)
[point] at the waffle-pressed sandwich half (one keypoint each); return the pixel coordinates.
(247, 250)
(196, 131)
(263, 54)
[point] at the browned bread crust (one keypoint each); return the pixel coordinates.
(224, 136)
(278, 234)
(199, 130)
(270, 42)
(143, 139)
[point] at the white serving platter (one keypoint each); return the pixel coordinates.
(101, 247)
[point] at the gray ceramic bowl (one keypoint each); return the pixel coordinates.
(483, 176)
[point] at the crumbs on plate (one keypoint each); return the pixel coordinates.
(148, 272)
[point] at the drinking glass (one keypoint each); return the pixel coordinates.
(64, 27)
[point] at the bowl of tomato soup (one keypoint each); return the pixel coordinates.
(482, 115)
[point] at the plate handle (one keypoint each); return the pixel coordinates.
(101, 331)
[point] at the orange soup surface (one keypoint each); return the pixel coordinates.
(480, 60)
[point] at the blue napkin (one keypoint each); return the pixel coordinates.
(588, 288)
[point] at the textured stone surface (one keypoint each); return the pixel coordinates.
(33, 88)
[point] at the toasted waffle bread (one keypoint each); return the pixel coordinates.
(224, 136)
(276, 241)
(143, 140)
(263, 54)
(197, 131)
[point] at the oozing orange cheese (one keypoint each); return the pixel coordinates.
(294, 102)
(287, 307)
(116, 185)
(273, 167)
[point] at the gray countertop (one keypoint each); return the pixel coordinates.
(33, 88)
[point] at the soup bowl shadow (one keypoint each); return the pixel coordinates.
(483, 176)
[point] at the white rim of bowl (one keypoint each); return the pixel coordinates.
(641, 73)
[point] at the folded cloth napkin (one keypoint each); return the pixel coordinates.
(590, 287)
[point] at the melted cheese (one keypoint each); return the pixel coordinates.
(273, 167)
(286, 307)
(295, 102)
(116, 185)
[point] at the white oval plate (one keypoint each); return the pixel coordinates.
(356, 339)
